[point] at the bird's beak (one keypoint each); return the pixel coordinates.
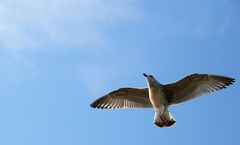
(145, 75)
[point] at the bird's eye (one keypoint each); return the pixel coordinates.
(151, 76)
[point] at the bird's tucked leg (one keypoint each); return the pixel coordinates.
(164, 119)
(158, 120)
(169, 119)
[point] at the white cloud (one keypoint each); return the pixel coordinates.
(93, 77)
(49, 25)
(56, 23)
(15, 67)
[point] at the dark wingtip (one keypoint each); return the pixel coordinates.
(91, 105)
(231, 81)
(94, 105)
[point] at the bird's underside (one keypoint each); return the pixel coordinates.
(181, 91)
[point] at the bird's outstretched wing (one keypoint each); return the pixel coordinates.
(124, 98)
(195, 85)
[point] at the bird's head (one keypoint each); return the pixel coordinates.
(150, 79)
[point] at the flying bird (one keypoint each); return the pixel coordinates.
(159, 96)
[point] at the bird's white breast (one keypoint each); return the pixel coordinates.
(157, 97)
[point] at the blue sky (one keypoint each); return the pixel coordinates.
(57, 56)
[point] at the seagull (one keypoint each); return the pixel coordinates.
(159, 96)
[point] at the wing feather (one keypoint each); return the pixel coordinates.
(124, 98)
(195, 85)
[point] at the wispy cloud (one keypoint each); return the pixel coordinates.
(93, 77)
(46, 24)
(15, 67)
(50, 25)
